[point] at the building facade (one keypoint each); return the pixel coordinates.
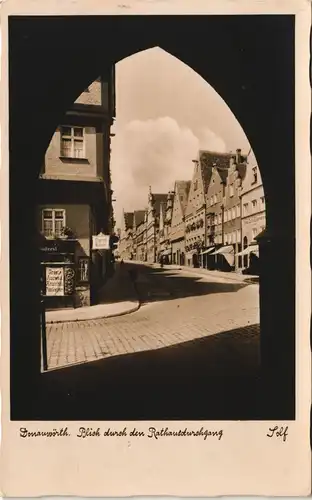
(152, 225)
(126, 236)
(138, 235)
(232, 204)
(177, 233)
(74, 199)
(253, 211)
(195, 212)
(166, 209)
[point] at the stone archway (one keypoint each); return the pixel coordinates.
(242, 68)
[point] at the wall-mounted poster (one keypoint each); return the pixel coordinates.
(54, 281)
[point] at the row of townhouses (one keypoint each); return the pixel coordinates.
(75, 199)
(211, 221)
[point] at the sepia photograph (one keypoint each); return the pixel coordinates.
(152, 182)
(155, 264)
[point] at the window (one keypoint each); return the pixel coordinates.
(229, 214)
(211, 200)
(238, 211)
(254, 232)
(229, 238)
(231, 190)
(72, 142)
(225, 216)
(254, 205)
(238, 236)
(220, 218)
(53, 221)
(254, 175)
(246, 208)
(233, 213)
(215, 199)
(83, 269)
(196, 185)
(234, 237)
(262, 202)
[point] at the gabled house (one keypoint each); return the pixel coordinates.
(195, 216)
(253, 212)
(232, 203)
(152, 224)
(177, 233)
(138, 234)
(164, 249)
(223, 211)
(195, 233)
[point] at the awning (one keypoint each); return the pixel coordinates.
(224, 250)
(207, 251)
(166, 252)
(251, 249)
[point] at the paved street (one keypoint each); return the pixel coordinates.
(176, 308)
(190, 352)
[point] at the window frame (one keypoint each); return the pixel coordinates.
(53, 210)
(73, 138)
(80, 260)
(254, 175)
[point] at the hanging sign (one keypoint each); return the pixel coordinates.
(54, 281)
(101, 242)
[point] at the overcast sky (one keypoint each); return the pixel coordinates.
(165, 113)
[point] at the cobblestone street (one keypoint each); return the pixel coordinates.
(190, 352)
(176, 308)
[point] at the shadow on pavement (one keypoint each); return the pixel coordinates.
(161, 284)
(212, 378)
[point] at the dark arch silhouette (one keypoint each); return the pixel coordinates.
(253, 74)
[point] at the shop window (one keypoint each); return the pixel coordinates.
(72, 142)
(53, 222)
(83, 269)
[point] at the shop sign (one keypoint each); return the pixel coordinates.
(54, 281)
(101, 242)
(57, 246)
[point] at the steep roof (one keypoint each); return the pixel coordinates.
(157, 200)
(138, 217)
(128, 220)
(182, 188)
(210, 159)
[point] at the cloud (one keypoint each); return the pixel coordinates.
(153, 153)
